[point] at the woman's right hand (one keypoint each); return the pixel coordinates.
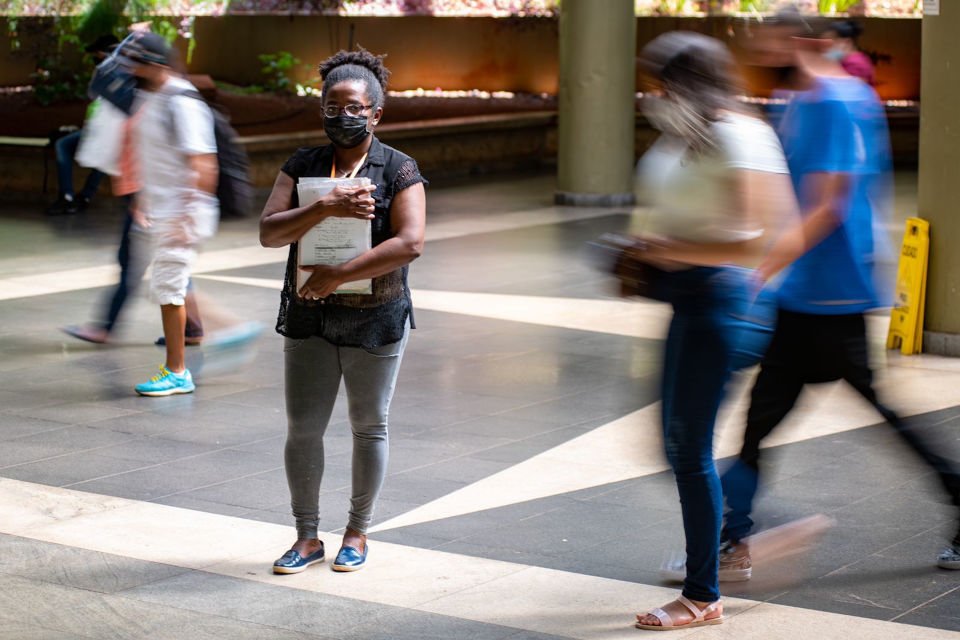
(349, 202)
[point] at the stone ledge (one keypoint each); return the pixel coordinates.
(447, 147)
(941, 344)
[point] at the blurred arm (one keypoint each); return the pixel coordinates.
(206, 172)
(829, 192)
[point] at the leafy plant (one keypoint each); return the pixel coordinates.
(754, 6)
(276, 71)
(55, 34)
(836, 6)
(672, 7)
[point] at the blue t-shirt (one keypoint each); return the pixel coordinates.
(839, 126)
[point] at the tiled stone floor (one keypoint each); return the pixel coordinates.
(527, 496)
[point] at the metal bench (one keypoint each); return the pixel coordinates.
(36, 143)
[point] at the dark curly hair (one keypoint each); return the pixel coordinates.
(847, 29)
(358, 65)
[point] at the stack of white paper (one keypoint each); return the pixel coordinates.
(335, 240)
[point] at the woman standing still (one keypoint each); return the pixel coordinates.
(328, 336)
(713, 179)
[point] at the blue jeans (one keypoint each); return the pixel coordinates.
(66, 149)
(696, 367)
(133, 260)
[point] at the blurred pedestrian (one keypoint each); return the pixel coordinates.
(715, 179)
(845, 49)
(133, 255)
(65, 149)
(176, 152)
(835, 136)
(331, 336)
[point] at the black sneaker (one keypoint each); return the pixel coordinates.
(949, 558)
(65, 205)
(83, 203)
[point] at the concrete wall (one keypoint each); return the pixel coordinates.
(469, 53)
(939, 186)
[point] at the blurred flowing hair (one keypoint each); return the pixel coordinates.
(699, 70)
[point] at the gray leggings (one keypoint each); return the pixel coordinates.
(313, 369)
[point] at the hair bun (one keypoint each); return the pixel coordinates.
(361, 58)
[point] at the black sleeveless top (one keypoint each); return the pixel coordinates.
(353, 320)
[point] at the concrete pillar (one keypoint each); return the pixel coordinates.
(596, 102)
(940, 176)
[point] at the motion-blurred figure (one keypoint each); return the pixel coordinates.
(715, 179)
(133, 256)
(835, 136)
(176, 153)
(846, 51)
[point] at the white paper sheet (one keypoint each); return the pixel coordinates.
(335, 240)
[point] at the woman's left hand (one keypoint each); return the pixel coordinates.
(323, 281)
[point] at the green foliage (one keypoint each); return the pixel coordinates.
(55, 42)
(276, 71)
(836, 6)
(754, 6)
(61, 68)
(103, 16)
(672, 7)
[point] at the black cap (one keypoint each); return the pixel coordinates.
(103, 44)
(149, 48)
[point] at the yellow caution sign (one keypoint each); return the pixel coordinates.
(906, 319)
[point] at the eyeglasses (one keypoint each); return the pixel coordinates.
(332, 110)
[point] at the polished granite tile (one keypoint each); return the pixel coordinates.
(71, 468)
(78, 568)
(475, 397)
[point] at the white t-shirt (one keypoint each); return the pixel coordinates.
(169, 129)
(693, 196)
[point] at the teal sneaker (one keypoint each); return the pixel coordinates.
(167, 383)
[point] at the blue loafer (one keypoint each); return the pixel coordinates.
(349, 559)
(293, 562)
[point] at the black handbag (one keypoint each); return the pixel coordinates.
(617, 255)
(113, 80)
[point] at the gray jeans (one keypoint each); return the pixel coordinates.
(313, 370)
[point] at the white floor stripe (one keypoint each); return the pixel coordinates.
(483, 590)
(634, 318)
(631, 447)
(40, 284)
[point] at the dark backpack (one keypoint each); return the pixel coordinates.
(113, 80)
(234, 189)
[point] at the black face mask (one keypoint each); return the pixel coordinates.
(346, 131)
